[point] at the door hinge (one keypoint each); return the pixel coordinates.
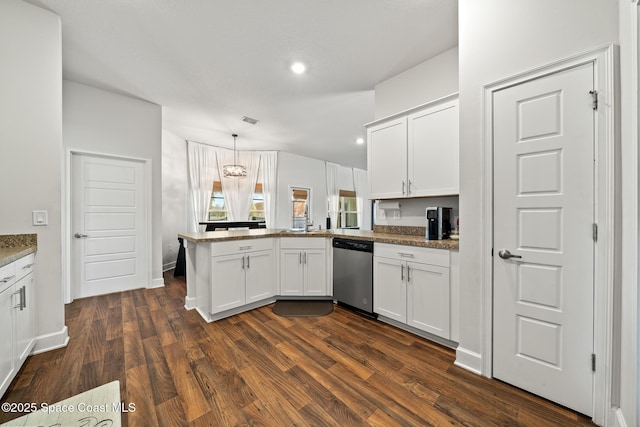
(593, 362)
(594, 95)
(595, 232)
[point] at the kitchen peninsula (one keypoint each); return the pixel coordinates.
(229, 272)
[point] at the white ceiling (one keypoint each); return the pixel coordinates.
(210, 62)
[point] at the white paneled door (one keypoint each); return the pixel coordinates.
(543, 261)
(107, 225)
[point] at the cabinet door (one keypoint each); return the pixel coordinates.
(428, 298)
(25, 331)
(291, 272)
(389, 288)
(260, 276)
(7, 311)
(433, 151)
(227, 282)
(387, 159)
(315, 270)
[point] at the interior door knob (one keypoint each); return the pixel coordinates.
(80, 236)
(505, 254)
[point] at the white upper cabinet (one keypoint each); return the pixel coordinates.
(415, 153)
(387, 159)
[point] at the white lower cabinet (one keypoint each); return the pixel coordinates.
(303, 267)
(244, 276)
(16, 316)
(411, 286)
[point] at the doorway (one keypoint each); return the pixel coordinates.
(108, 226)
(531, 235)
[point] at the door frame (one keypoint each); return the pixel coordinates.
(605, 62)
(67, 226)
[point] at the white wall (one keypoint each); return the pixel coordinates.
(100, 121)
(31, 141)
(499, 38)
(299, 171)
(175, 187)
(429, 80)
(413, 211)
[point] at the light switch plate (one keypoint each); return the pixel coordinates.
(40, 217)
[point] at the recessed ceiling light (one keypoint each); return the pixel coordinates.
(360, 141)
(298, 68)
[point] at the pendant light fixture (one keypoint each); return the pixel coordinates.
(235, 170)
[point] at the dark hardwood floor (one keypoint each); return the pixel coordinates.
(261, 369)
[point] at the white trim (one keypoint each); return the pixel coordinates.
(156, 283)
(469, 360)
(604, 60)
(616, 418)
(169, 266)
(51, 341)
(189, 303)
(66, 215)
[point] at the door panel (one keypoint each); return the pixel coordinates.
(291, 272)
(107, 215)
(389, 288)
(387, 146)
(227, 282)
(543, 212)
(315, 272)
(428, 298)
(260, 276)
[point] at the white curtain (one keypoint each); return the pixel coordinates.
(203, 171)
(238, 192)
(333, 192)
(269, 172)
(359, 186)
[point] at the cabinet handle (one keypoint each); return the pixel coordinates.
(402, 273)
(406, 255)
(299, 257)
(19, 293)
(408, 274)
(409, 188)
(403, 185)
(27, 266)
(6, 279)
(23, 298)
(304, 258)
(248, 262)
(245, 248)
(243, 262)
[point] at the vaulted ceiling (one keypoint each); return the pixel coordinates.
(210, 62)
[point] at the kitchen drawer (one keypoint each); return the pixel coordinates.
(412, 253)
(303, 242)
(240, 246)
(24, 266)
(7, 275)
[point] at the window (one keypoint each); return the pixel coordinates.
(347, 210)
(257, 206)
(218, 208)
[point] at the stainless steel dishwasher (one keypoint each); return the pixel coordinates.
(353, 274)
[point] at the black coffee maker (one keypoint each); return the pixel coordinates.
(438, 223)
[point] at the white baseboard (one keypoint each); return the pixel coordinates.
(51, 341)
(189, 303)
(469, 360)
(156, 283)
(617, 419)
(169, 266)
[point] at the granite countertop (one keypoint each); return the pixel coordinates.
(16, 246)
(367, 235)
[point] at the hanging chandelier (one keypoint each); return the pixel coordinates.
(235, 170)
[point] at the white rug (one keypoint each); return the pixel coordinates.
(98, 407)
